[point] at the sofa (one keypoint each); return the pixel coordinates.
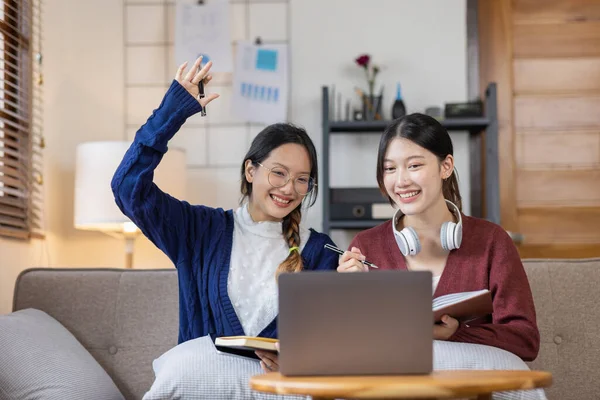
(127, 318)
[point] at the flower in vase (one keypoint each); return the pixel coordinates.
(371, 106)
(363, 61)
(371, 71)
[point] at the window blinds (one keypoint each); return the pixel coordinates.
(21, 139)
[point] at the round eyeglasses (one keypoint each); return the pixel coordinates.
(279, 177)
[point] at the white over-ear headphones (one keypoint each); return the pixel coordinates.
(408, 240)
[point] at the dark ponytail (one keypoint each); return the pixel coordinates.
(451, 191)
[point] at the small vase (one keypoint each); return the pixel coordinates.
(372, 108)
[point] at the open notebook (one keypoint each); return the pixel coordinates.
(463, 306)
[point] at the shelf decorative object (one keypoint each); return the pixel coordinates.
(371, 102)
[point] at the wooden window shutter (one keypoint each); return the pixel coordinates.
(21, 138)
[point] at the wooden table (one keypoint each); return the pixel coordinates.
(439, 385)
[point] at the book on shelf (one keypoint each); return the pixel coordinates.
(465, 306)
(245, 346)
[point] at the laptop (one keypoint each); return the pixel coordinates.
(374, 323)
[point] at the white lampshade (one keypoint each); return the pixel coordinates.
(96, 163)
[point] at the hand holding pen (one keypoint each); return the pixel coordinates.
(195, 81)
(351, 261)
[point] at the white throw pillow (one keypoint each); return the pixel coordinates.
(41, 359)
(195, 370)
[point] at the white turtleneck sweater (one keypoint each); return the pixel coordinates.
(258, 249)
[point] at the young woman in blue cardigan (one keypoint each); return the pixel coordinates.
(227, 261)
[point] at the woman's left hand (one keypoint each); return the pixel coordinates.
(445, 329)
(269, 361)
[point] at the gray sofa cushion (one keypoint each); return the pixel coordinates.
(40, 359)
(124, 318)
(564, 292)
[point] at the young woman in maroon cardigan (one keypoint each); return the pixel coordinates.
(415, 169)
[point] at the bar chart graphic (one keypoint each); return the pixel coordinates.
(260, 82)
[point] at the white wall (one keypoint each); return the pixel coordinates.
(421, 44)
(16, 256)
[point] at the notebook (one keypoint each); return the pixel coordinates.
(244, 346)
(464, 306)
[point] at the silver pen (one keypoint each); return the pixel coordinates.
(341, 252)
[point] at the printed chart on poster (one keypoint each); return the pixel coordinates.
(260, 82)
(203, 29)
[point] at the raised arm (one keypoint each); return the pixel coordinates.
(514, 327)
(169, 223)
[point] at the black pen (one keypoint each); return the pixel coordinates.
(201, 96)
(340, 252)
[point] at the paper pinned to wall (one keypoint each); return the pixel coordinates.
(203, 29)
(260, 82)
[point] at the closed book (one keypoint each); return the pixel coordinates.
(465, 306)
(245, 346)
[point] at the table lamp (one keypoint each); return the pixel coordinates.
(95, 207)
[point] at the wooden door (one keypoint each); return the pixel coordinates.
(545, 58)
